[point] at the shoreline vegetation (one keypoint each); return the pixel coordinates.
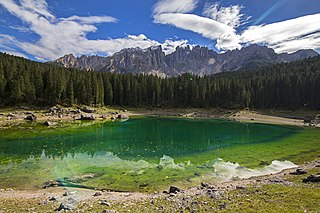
(244, 195)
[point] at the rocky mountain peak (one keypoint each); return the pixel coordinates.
(198, 60)
(68, 60)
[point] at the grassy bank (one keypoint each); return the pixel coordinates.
(273, 193)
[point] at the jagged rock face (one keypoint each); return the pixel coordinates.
(300, 54)
(248, 57)
(136, 60)
(197, 60)
(83, 62)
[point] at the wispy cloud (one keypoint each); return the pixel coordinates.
(37, 6)
(91, 19)
(220, 24)
(306, 42)
(231, 15)
(302, 32)
(59, 36)
(206, 27)
(175, 6)
(218, 27)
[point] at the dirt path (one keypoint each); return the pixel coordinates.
(250, 116)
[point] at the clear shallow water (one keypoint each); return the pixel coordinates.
(147, 154)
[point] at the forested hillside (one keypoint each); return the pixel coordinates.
(286, 85)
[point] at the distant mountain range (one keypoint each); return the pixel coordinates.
(197, 60)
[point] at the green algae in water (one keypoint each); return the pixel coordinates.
(146, 154)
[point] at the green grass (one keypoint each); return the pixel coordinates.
(269, 198)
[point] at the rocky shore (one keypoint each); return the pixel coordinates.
(58, 115)
(279, 192)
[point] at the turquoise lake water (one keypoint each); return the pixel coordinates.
(146, 154)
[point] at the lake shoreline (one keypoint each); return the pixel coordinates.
(50, 199)
(64, 115)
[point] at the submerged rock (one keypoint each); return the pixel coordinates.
(299, 171)
(312, 179)
(174, 189)
(123, 116)
(49, 123)
(264, 163)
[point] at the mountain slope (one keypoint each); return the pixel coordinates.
(197, 60)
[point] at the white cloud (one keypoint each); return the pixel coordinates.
(221, 22)
(206, 27)
(169, 46)
(8, 43)
(220, 26)
(37, 6)
(286, 36)
(59, 36)
(16, 54)
(175, 6)
(229, 41)
(91, 19)
(226, 35)
(277, 32)
(231, 15)
(306, 42)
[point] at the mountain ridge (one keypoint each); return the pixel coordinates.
(197, 60)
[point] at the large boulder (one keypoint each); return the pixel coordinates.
(88, 110)
(123, 116)
(86, 117)
(174, 189)
(68, 205)
(75, 111)
(31, 117)
(49, 123)
(55, 110)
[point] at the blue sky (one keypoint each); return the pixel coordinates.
(48, 29)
